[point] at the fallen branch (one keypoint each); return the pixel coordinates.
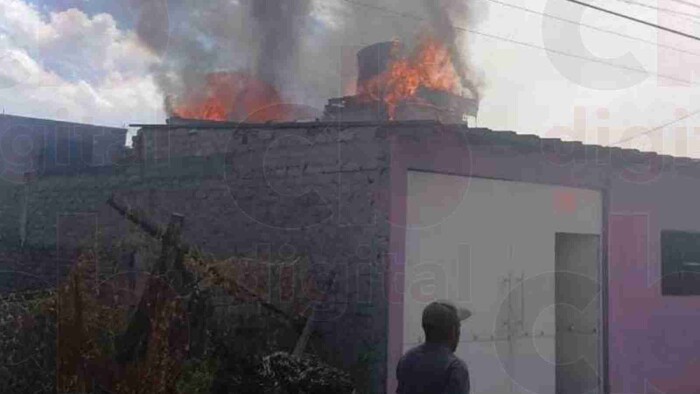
(155, 230)
(137, 217)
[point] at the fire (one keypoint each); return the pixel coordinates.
(232, 96)
(430, 66)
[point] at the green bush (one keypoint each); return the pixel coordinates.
(27, 346)
(197, 376)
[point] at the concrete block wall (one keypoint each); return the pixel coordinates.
(267, 192)
(320, 190)
(50, 147)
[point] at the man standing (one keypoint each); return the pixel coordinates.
(432, 368)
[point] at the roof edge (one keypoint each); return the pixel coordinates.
(286, 125)
(29, 118)
(634, 155)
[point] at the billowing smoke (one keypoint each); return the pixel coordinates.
(279, 26)
(257, 37)
(300, 47)
(445, 16)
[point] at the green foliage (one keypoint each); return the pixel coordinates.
(239, 353)
(27, 351)
(197, 376)
(368, 357)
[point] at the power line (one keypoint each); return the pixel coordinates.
(410, 16)
(634, 19)
(600, 29)
(662, 9)
(562, 53)
(657, 128)
(525, 44)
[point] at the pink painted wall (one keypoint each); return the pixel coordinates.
(448, 150)
(654, 341)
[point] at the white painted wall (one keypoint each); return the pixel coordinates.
(464, 237)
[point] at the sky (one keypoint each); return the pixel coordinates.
(82, 60)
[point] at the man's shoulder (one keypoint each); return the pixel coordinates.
(441, 354)
(458, 377)
(411, 354)
(416, 350)
(458, 365)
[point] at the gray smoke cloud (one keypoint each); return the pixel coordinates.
(280, 28)
(195, 38)
(301, 47)
(259, 37)
(445, 16)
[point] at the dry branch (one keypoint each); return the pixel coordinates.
(173, 247)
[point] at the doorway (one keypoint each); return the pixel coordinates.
(577, 311)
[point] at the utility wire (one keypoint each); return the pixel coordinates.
(410, 16)
(657, 128)
(525, 44)
(661, 9)
(634, 19)
(562, 53)
(596, 28)
(654, 129)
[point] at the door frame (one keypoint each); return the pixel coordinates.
(602, 352)
(603, 272)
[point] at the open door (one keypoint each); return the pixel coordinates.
(577, 294)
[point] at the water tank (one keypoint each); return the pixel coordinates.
(374, 59)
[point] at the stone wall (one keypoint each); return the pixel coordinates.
(267, 192)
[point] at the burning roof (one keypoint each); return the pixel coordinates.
(430, 67)
(391, 86)
(424, 85)
(237, 60)
(236, 96)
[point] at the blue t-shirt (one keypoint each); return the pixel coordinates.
(432, 369)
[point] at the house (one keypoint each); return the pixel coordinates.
(45, 147)
(576, 260)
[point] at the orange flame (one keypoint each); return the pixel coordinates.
(232, 96)
(430, 66)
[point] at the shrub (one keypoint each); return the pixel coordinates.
(27, 350)
(69, 339)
